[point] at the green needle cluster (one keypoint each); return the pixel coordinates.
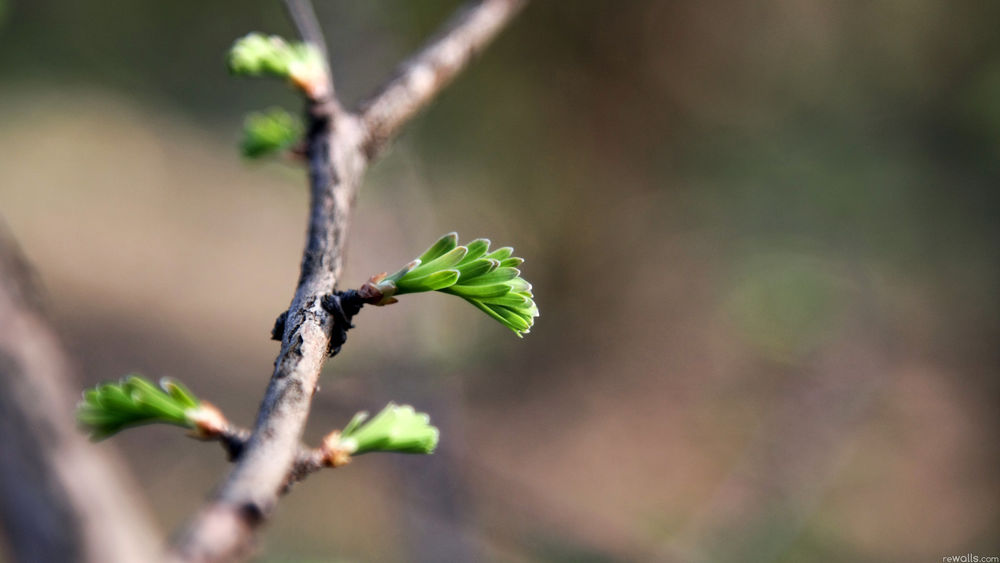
(396, 428)
(110, 407)
(488, 280)
(256, 54)
(270, 131)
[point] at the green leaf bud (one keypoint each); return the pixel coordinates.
(256, 54)
(396, 428)
(111, 407)
(267, 132)
(488, 280)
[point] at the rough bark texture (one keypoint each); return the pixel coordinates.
(61, 498)
(339, 147)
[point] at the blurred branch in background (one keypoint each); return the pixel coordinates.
(61, 498)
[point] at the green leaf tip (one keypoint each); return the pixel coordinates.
(396, 428)
(256, 54)
(269, 131)
(488, 280)
(439, 248)
(111, 407)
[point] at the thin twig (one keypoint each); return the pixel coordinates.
(303, 16)
(338, 149)
(420, 78)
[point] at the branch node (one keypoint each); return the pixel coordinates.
(333, 451)
(342, 305)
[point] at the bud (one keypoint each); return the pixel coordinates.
(396, 428)
(256, 54)
(490, 281)
(270, 131)
(111, 407)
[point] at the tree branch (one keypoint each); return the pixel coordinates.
(419, 79)
(224, 529)
(339, 146)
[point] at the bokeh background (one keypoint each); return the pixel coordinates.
(763, 237)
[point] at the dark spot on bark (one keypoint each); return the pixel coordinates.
(234, 443)
(278, 330)
(342, 306)
(252, 514)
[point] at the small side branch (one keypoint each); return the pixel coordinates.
(420, 78)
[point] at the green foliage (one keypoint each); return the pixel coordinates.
(267, 132)
(488, 280)
(396, 428)
(110, 407)
(256, 54)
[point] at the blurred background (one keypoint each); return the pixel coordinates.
(763, 238)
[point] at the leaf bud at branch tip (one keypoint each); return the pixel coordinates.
(256, 54)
